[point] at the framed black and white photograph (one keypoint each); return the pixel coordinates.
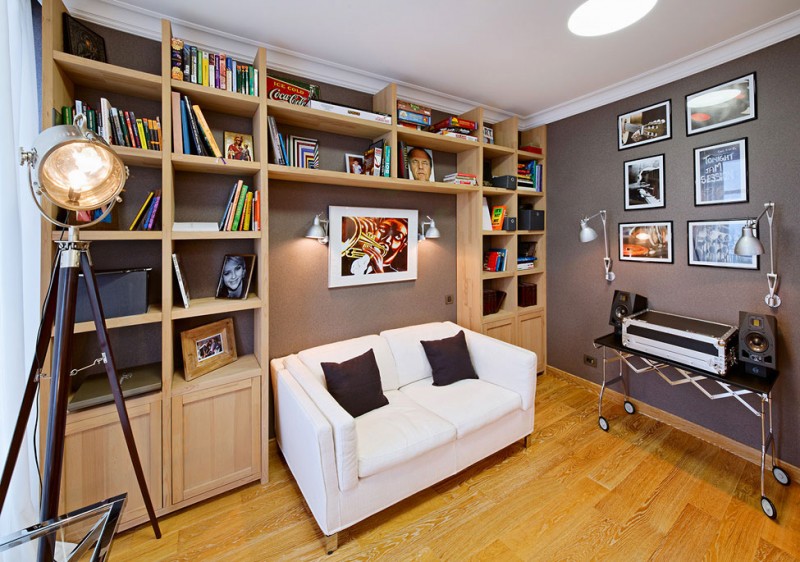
(643, 126)
(711, 243)
(235, 276)
(721, 106)
(644, 183)
(646, 242)
(720, 173)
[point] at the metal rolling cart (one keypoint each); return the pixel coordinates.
(735, 384)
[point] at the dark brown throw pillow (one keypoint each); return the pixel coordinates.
(449, 359)
(356, 384)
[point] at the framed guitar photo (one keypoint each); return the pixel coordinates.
(646, 125)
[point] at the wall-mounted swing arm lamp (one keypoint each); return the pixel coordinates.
(588, 234)
(749, 245)
(75, 170)
(431, 232)
(318, 229)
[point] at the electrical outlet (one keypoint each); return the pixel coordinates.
(589, 360)
(448, 299)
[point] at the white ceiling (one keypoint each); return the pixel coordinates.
(514, 56)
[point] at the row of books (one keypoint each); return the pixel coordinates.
(495, 259)
(377, 159)
(192, 64)
(116, 126)
(191, 133)
(300, 152)
(146, 217)
(243, 211)
(529, 175)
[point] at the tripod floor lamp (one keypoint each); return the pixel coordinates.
(75, 170)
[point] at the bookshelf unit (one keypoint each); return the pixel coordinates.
(202, 437)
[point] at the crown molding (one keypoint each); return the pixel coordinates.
(145, 23)
(733, 48)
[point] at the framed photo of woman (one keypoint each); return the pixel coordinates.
(235, 276)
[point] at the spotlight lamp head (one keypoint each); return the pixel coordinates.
(431, 232)
(749, 245)
(588, 234)
(74, 169)
(318, 229)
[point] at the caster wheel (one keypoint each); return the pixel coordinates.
(629, 407)
(780, 475)
(768, 507)
(603, 423)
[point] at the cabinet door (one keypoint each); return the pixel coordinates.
(531, 332)
(501, 329)
(216, 438)
(96, 460)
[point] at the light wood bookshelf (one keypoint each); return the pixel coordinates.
(185, 465)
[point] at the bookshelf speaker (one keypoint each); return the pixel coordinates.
(625, 304)
(758, 335)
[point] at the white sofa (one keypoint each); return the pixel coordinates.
(350, 468)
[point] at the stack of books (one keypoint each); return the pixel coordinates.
(243, 211)
(377, 159)
(191, 134)
(461, 178)
(529, 176)
(413, 115)
(494, 259)
(526, 256)
(115, 126)
(456, 127)
(526, 262)
(192, 64)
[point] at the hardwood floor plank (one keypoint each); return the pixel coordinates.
(692, 533)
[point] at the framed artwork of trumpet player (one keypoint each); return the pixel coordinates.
(370, 245)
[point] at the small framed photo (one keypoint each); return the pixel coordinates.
(721, 106)
(235, 277)
(81, 41)
(303, 152)
(354, 163)
(646, 241)
(208, 348)
(644, 183)
(646, 125)
(420, 164)
(238, 146)
(720, 173)
(711, 243)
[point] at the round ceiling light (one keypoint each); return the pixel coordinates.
(600, 17)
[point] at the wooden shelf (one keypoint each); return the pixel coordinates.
(497, 191)
(528, 156)
(530, 309)
(97, 235)
(535, 271)
(501, 315)
(108, 77)
(497, 274)
(214, 99)
(152, 316)
(531, 232)
(215, 235)
(499, 232)
(139, 156)
(435, 142)
(528, 192)
(210, 165)
(495, 151)
(207, 306)
(245, 367)
(326, 177)
(319, 120)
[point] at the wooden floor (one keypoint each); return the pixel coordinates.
(641, 491)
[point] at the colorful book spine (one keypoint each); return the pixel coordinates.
(152, 219)
(208, 137)
(248, 212)
(239, 208)
(141, 211)
(234, 205)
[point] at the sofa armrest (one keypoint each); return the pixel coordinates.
(504, 364)
(343, 425)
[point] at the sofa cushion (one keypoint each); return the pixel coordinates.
(347, 349)
(412, 364)
(449, 359)
(469, 404)
(397, 433)
(355, 384)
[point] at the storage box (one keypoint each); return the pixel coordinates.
(506, 182)
(530, 219)
(492, 301)
(526, 293)
(122, 293)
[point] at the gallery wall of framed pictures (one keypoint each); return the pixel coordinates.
(720, 173)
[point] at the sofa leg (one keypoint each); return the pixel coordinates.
(331, 542)
(527, 440)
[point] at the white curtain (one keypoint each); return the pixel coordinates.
(19, 253)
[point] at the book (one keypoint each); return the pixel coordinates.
(228, 206)
(132, 142)
(402, 161)
(486, 215)
(257, 210)
(248, 212)
(142, 136)
(151, 220)
(283, 149)
(105, 120)
(141, 211)
(234, 205)
(387, 161)
(498, 214)
(277, 154)
(195, 227)
(205, 130)
(182, 285)
(239, 207)
(194, 130)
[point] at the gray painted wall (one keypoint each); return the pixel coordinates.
(585, 174)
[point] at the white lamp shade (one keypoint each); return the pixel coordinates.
(748, 244)
(432, 232)
(587, 233)
(316, 230)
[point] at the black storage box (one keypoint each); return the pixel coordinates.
(530, 219)
(492, 301)
(510, 223)
(506, 182)
(526, 293)
(123, 293)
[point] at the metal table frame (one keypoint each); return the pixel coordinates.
(736, 385)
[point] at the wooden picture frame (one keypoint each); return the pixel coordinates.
(722, 105)
(207, 348)
(643, 126)
(646, 241)
(720, 173)
(645, 183)
(711, 243)
(235, 276)
(81, 41)
(238, 146)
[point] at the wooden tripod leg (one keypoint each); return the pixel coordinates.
(28, 397)
(111, 369)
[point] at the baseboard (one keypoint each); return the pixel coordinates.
(723, 442)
